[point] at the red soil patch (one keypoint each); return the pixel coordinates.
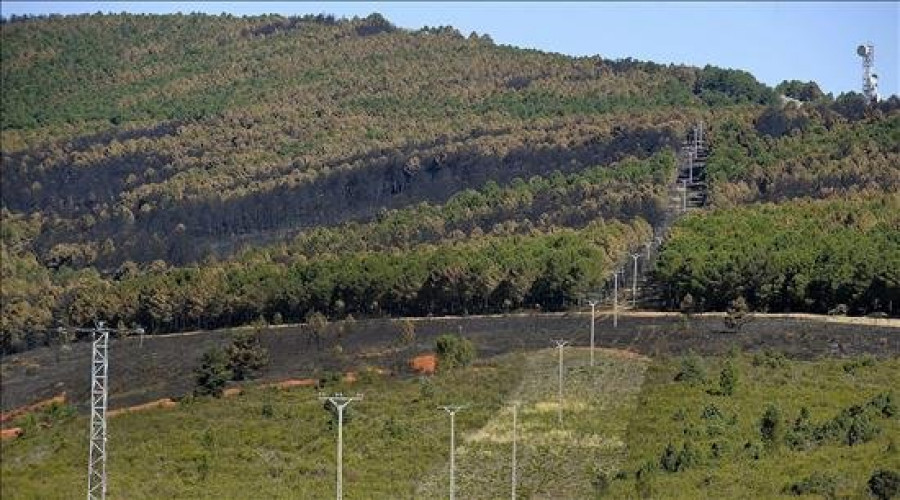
(40, 405)
(10, 433)
(232, 391)
(159, 403)
(287, 384)
(424, 363)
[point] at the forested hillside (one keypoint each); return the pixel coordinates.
(834, 256)
(187, 171)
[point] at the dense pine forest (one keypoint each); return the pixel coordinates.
(196, 171)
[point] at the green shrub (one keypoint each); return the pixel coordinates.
(885, 405)
(642, 480)
(864, 362)
(212, 374)
(861, 430)
(737, 315)
(426, 388)
(245, 355)
(770, 427)
(885, 484)
(600, 481)
(668, 461)
(454, 351)
(769, 359)
(673, 460)
(728, 379)
(691, 371)
(800, 436)
(816, 483)
(851, 426)
(711, 412)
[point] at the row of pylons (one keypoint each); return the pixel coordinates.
(692, 180)
(687, 192)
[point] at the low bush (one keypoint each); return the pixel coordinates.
(770, 427)
(885, 484)
(728, 380)
(691, 371)
(454, 351)
(246, 356)
(212, 374)
(816, 483)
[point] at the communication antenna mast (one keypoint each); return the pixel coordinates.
(869, 77)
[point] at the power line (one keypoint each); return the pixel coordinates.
(339, 402)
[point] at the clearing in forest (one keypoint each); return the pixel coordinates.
(553, 461)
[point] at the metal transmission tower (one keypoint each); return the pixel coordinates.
(560, 345)
(452, 409)
(98, 435)
(99, 398)
(648, 245)
(869, 77)
(514, 446)
(339, 402)
(634, 275)
(593, 315)
(684, 184)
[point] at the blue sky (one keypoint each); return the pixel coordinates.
(774, 41)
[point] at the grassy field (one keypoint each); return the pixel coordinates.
(618, 419)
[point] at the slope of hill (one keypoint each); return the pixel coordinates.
(145, 158)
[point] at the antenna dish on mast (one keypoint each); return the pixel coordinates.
(862, 50)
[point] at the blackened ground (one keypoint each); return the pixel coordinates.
(163, 366)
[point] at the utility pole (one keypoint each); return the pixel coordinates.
(99, 402)
(452, 409)
(339, 402)
(691, 166)
(560, 344)
(634, 256)
(684, 195)
(514, 443)
(593, 312)
(648, 245)
(616, 298)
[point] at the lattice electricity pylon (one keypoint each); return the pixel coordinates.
(99, 398)
(98, 401)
